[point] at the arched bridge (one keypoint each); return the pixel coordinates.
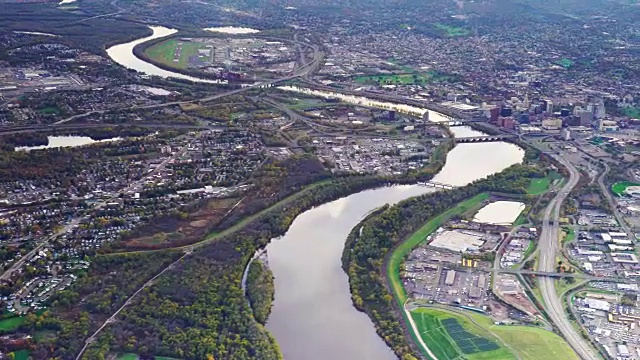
(485, 138)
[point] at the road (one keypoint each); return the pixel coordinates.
(92, 338)
(548, 247)
(612, 203)
(75, 221)
(302, 71)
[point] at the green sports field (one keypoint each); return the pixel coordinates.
(466, 335)
(565, 63)
(452, 31)
(619, 187)
(457, 334)
(452, 337)
(409, 78)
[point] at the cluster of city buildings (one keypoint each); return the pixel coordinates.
(602, 247)
(373, 155)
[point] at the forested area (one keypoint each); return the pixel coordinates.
(93, 35)
(9, 142)
(63, 164)
(364, 255)
(78, 311)
(198, 309)
(260, 290)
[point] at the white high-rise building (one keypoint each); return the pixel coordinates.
(598, 110)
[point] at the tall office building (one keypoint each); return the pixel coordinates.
(585, 116)
(599, 110)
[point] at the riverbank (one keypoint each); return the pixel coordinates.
(372, 243)
(260, 289)
(495, 342)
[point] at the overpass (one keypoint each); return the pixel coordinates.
(484, 138)
(550, 274)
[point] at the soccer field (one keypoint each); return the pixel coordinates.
(467, 335)
(619, 187)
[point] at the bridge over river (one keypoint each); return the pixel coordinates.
(484, 138)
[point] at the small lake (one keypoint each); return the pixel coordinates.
(234, 30)
(65, 141)
(500, 213)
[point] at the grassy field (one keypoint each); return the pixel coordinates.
(450, 336)
(51, 110)
(569, 234)
(21, 355)
(163, 52)
(419, 236)
(12, 323)
(127, 357)
(565, 63)
(619, 187)
(403, 78)
(538, 186)
(632, 112)
(534, 343)
(452, 31)
(505, 342)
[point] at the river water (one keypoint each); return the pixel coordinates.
(65, 141)
(123, 55)
(312, 316)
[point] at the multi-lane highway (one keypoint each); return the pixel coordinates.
(548, 247)
(612, 203)
(302, 71)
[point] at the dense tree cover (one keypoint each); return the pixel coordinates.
(198, 309)
(94, 35)
(9, 142)
(260, 290)
(78, 311)
(364, 255)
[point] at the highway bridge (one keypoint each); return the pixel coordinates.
(484, 138)
(437, 185)
(557, 275)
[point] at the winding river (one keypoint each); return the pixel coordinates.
(312, 316)
(123, 55)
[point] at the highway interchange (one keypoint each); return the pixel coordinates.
(548, 243)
